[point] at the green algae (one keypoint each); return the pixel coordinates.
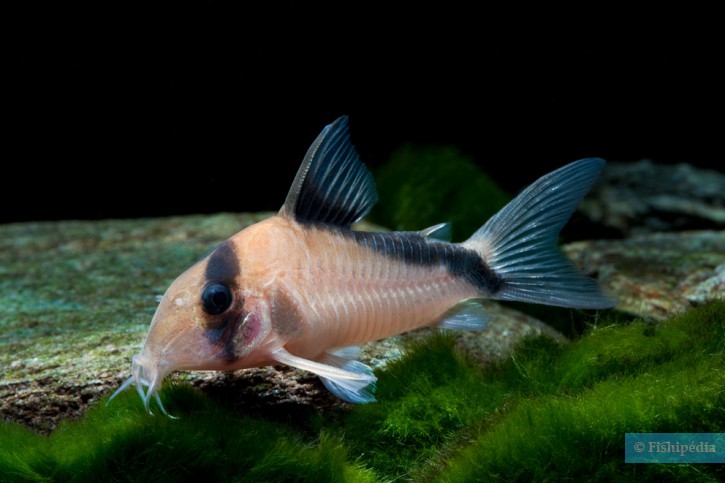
(207, 443)
(550, 411)
(424, 186)
(581, 399)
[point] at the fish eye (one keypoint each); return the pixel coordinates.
(216, 298)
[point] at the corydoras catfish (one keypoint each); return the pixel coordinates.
(303, 289)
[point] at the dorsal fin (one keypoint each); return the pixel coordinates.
(332, 185)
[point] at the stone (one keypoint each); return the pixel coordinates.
(77, 297)
(646, 197)
(659, 274)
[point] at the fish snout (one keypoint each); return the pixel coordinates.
(149, 373)
(147, 377)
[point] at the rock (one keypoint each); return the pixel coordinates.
(644, 197)
(76, 300)
(666, 246)
(656, 275)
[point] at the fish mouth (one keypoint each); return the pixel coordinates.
(147, 380)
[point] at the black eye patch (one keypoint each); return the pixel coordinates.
(216, 298)
(223, 263)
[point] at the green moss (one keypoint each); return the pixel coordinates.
(422, 186)
(423, 400)
(207, 443)
(582, 436)
(551, 411)
(581, 399)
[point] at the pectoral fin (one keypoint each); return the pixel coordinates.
(350, 380)
(345, 359)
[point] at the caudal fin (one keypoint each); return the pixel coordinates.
(519, 242)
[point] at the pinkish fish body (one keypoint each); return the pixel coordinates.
(303, 289)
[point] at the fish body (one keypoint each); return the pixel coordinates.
(333, 288)
(304, 289)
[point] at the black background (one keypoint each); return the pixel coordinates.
(131, 110)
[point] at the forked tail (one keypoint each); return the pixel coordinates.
(519, 243)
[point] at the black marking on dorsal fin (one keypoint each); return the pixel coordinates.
(332, 185)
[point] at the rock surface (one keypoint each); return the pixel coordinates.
(645, 197)
(656, 275)
(76, 298)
